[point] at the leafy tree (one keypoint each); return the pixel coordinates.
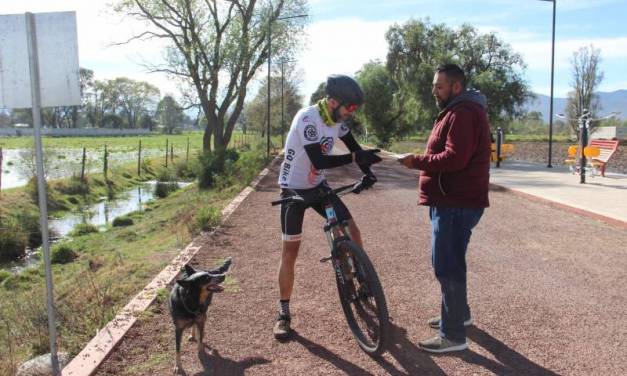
(255, 112)
(380, 109)
(147, 122)
(133, 99)
(586, 78)
(416, 48)
(217, 47)
(318, 94)
(169, 113)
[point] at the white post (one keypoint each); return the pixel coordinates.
(31, 36)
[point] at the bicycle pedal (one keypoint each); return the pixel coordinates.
(325, 259)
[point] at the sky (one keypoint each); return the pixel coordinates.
(343, 35)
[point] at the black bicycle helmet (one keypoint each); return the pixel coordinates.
(344, 89)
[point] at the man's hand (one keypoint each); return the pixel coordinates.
(407, 160)
(367, 157)
(366, 182)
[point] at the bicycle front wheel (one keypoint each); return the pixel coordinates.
(362, 297)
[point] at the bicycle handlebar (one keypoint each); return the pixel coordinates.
(296, 198)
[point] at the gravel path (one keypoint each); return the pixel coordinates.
(546, 289)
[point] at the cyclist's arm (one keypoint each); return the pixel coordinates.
(353, 146)
(322, 162)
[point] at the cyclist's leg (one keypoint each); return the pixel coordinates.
(291, 226)
(343, 214)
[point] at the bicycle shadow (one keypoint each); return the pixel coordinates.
(214, 364)
(509, 361)
(321, 352)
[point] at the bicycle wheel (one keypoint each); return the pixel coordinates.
(362, 297)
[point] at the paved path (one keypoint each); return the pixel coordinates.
(546, 289)
(605, 196)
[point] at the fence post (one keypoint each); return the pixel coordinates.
(172, 153)
(83, 165)
(106, 162)
(166, 153)
(139, 158)
(187, 154)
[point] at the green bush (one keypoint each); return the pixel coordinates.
(55, 201)
(207, 218)
(62, 254)
(249, 164)
(166, 183)
(13, 240)
(28, 221)
(83, 229)
(74, 186)
(122, 221)
(186, 170)
(213, 164)
(4, 274)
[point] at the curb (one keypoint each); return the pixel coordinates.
(103, 343)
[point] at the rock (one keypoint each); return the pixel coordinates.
(41, 365)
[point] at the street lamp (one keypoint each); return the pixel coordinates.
(552, 75)
(269, 64)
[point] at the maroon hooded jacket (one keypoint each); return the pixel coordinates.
(455, 168)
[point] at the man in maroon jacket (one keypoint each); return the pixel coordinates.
(454, 175)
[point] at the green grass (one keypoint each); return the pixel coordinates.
(110, 267)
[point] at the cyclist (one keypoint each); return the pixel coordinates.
(311, 137)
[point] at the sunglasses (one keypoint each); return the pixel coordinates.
(350, 107)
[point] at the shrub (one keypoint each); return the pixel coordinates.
(4, 274)
(249, 165)
(83, 229)
(166, 183)
(28, 221)
(207, 218)
(74, 186)
(62, 254)
(186, 170)
(13, 240)
(122, 221)
(213, 164)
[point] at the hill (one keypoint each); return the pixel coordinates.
(610, 102)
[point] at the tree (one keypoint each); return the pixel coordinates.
(586, 78)
(169, 113)
(318, 94)
(133, 99)
(217, 47)
(416, 48)
(381, 109)
(255, 112)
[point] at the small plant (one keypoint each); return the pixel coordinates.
(12, 240)
(4, 274)
(62, 254)
(83, 229)
(207, 218)
(122, 221)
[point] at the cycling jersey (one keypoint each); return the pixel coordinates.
(311, 125)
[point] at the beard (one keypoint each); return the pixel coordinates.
(442, 103)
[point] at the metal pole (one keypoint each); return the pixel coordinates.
(282, 106)
(268, 99)
(499, 145)
(552, 76)
(31, 36)
(584, 122)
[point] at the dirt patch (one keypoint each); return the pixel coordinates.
(543, 303)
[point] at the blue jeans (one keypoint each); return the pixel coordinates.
(451, 230)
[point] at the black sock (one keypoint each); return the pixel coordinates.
(284, 307)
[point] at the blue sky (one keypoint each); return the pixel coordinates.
(343, 35)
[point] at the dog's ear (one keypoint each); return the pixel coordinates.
(189, 270)
(224, 268)
(185, 283)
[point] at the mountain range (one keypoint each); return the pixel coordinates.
(614, 101)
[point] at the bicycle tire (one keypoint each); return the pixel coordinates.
(362, 298)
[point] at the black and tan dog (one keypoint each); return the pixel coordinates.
(189, 300)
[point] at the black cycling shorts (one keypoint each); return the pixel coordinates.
(292, 213)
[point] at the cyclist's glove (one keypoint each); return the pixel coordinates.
(366, 182)
(367, 157)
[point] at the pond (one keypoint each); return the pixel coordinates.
(18, 165)
(100, 215)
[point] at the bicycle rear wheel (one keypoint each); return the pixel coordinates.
(362, 297)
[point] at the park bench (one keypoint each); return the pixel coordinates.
(507, 150)
(607, 148)
(597, 153)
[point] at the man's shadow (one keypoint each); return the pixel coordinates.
(510, 362)
(214, 364)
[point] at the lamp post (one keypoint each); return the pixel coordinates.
(282, 106)
(269, 64)
(552, 76)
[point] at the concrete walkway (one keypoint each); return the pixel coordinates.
(600, 196)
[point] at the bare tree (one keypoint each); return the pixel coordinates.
(217, 47)
(586, 78)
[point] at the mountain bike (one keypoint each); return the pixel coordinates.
(360, 291)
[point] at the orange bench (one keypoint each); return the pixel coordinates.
(607, 148)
